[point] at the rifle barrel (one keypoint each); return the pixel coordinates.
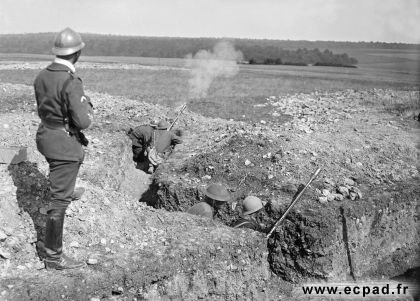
(314, 175)
(179, 114)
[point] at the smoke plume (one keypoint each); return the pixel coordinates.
(206, 66)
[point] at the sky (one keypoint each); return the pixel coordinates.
(333, 20)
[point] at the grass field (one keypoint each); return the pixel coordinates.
(234, 97)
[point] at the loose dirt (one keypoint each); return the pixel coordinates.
(137, 251)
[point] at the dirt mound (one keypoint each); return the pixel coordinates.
(133, 250)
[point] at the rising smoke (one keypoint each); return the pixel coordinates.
(206, 66)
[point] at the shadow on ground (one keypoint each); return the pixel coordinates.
(32, 193)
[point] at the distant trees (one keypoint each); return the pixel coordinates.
(304, 57)
(255, 51)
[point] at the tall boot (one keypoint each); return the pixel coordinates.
(54, 257)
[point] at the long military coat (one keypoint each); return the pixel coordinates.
(52, 139)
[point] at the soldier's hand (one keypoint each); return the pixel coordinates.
(89, 102)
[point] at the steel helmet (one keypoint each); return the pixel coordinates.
(162, 125)
(153, 123)
(218, 192)
(67, 42)
(251, 204)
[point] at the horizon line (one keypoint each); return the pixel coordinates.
(221, 38)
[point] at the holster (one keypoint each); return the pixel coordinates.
(80, 137)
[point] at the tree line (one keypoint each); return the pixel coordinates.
(304, 57)
(254, 50)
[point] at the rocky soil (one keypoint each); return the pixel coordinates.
(359, 219)
(367, 195)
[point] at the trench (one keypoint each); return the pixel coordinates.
(330, 247)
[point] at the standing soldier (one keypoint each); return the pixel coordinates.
(64, 110)
(251, 207)
(216, 197)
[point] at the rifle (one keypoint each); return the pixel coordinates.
(314, 175)
(184, 106)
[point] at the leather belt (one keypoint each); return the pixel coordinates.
(54, 125)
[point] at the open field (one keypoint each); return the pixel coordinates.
(166, 81)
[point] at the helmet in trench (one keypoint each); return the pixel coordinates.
(251, 204)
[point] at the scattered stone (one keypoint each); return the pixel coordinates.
(357, 191)
(263, 122)
(331, 197)
(270, 176)
(206, 177)
(103, 241)
(8, 230)
(247, 162)
(3, 236)
(343, 190)
(323, 199)
(74, 244)
(329, 182)
(95, 299)
(92, 261)
(348, 182)
(325, 192)
(5, 254)
(338, 197)
(353, 196)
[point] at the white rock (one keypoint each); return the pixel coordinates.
(3, 236)
(330, 197)
(349, 182)
(323, 199)
(343, 190)
(326, 192)
(92, 261)
(5, 254)
(74, 244)
(247, 162)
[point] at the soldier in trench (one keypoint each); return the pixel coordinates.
(141, 137)
(153, 143)
(216, 197)
(251, 211)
